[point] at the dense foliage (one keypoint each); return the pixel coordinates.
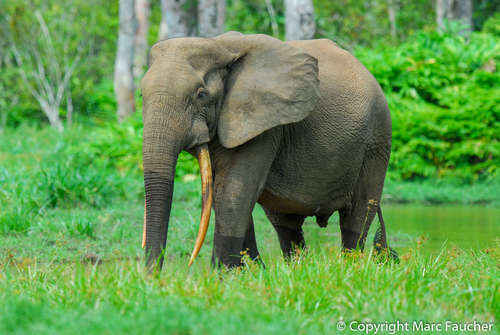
(348, 22)
(442, 88)
(444, 96)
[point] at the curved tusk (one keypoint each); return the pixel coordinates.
(144, 227)
(207, 195)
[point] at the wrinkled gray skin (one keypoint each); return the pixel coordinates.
(300, 127)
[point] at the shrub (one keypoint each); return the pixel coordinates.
(66, 184)
(119, 146)
(444, 96)
(492, 25)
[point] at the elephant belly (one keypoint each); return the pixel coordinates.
(284, 205)
(313, 183)
(314, 198)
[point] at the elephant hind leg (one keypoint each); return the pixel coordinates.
(356, 219)
(289, 229)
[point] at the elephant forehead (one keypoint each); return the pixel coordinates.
(165, 47)
(173, 77)
(200, 53)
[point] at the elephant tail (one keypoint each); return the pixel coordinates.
(380, 239)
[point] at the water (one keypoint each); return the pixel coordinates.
(468, 227)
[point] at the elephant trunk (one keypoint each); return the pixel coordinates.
(162, 143)
(158, 202)
(161, 148)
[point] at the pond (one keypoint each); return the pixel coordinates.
(467, 227)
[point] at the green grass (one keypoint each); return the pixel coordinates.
(70, 258)
(306, 297)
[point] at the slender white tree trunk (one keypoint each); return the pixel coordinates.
(441, 7)
(299, 19)
(211, 17)
(69, 109)
(163, 29)
(124, 79)
(178, 18)
(142, 11)
(46, 72)
(391, 12)
(52, 113)
(458, 10)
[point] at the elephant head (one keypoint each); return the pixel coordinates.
(228, 89)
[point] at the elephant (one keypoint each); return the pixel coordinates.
(300, 127)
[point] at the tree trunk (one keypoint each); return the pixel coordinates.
(142, 11)
(178, 17)
(163, 29)
(299, 19)
(211, 17)
(454, 10)
(391, 12)
(441, 6)
(124, 79)
(52, 113)
(69, 109)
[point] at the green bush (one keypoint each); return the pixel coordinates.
(492, 25)
(444, 96)
(19, 202)
(67, 184)
(15, 219)
(59, 183)
(442, 89)
(119, 146)
(42, 170)
(111, 145)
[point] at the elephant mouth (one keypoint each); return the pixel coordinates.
(203, 156)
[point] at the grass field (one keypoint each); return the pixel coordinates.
(71, 263)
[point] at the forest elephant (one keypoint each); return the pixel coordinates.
(300, 127)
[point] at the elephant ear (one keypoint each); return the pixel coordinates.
(270, 83)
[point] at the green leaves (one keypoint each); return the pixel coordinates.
(444, 95)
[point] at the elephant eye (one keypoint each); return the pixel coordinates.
(202, 93)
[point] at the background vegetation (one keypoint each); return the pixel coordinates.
(443, 88)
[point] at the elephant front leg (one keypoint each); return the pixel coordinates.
(229, 250)
(250, 243)
(234, 232)
(240, 176)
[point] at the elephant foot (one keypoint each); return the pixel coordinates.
(229, 251)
